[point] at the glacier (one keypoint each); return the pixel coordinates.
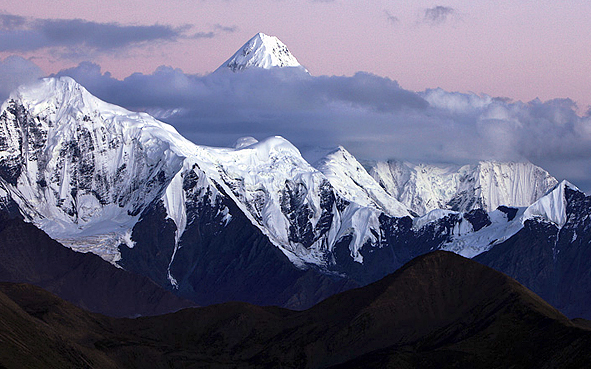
(550, 208)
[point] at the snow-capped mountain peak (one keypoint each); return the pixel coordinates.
(261, 51)
(84, 171)
(552, 206)
(353, 183)
(81, 168)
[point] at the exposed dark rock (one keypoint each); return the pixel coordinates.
(222, 258)
(154, 238)
(511, 212)
(478, 218)
(528, 257)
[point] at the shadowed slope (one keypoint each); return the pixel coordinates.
(31, 256)
(40, 330)
(442, 310)
(439, 301)
(552, 261)
(440, 297)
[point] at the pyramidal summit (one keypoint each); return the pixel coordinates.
(261, 51)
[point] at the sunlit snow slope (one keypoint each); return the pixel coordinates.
(82, 169)
(503, 223)
(261, 51)
(487, 185)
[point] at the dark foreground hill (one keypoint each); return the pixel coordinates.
(440, 310)
(29, 255)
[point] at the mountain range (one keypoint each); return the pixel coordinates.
(440, 310)
(257, 222)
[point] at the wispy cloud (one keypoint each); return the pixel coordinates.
(438, 14)
(391, 18)
(78, 36)
(227, 29)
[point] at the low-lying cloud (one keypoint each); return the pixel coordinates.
(371, 116)
(15, 71)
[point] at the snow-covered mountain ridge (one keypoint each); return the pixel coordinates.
(100, 178)
(84, 170)
(356, 185)
(504, 222)
(486, 185)
(80, 168)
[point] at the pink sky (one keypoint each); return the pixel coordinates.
(518, 49)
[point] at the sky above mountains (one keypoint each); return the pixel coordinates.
(384, 74)
(517, 49)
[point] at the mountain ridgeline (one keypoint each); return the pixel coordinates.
(260, 224)
(439, 310)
